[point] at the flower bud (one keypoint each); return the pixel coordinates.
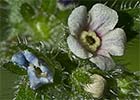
(97, 87)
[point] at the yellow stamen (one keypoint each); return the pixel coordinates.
(90, 41)
(43, 74)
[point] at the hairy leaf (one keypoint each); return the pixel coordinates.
(5, 26)
(14, 68)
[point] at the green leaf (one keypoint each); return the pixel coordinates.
(129, 16)
(128, 86)
(5, 26)
(131, 57)
(42, 25)
(15, 16)
(23, 92)
(63, 15)
(130, 21)
(115, 4)
(27, 11)
(14, 68)
(49, 5)
(125, 4)
(135, 15)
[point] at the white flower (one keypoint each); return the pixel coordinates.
(97, 87)
(93, 35)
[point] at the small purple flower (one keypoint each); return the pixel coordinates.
(66, 4)
(38, 71)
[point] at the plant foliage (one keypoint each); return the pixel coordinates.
(39, 26)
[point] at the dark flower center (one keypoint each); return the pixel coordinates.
(90, 40)
(38, 71)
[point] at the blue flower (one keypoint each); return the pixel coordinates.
(32, 59)
(38, 71)
(39, 76)
(20, 60)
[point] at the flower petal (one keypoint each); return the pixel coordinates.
(32, 59)
(77, 20)
(114, 42)
(49, 72)
(103, 53)
(103, 62)
(102, 19)
(76, 48)
(36, 82)
(20, 60)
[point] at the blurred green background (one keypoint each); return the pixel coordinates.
(7, 83)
